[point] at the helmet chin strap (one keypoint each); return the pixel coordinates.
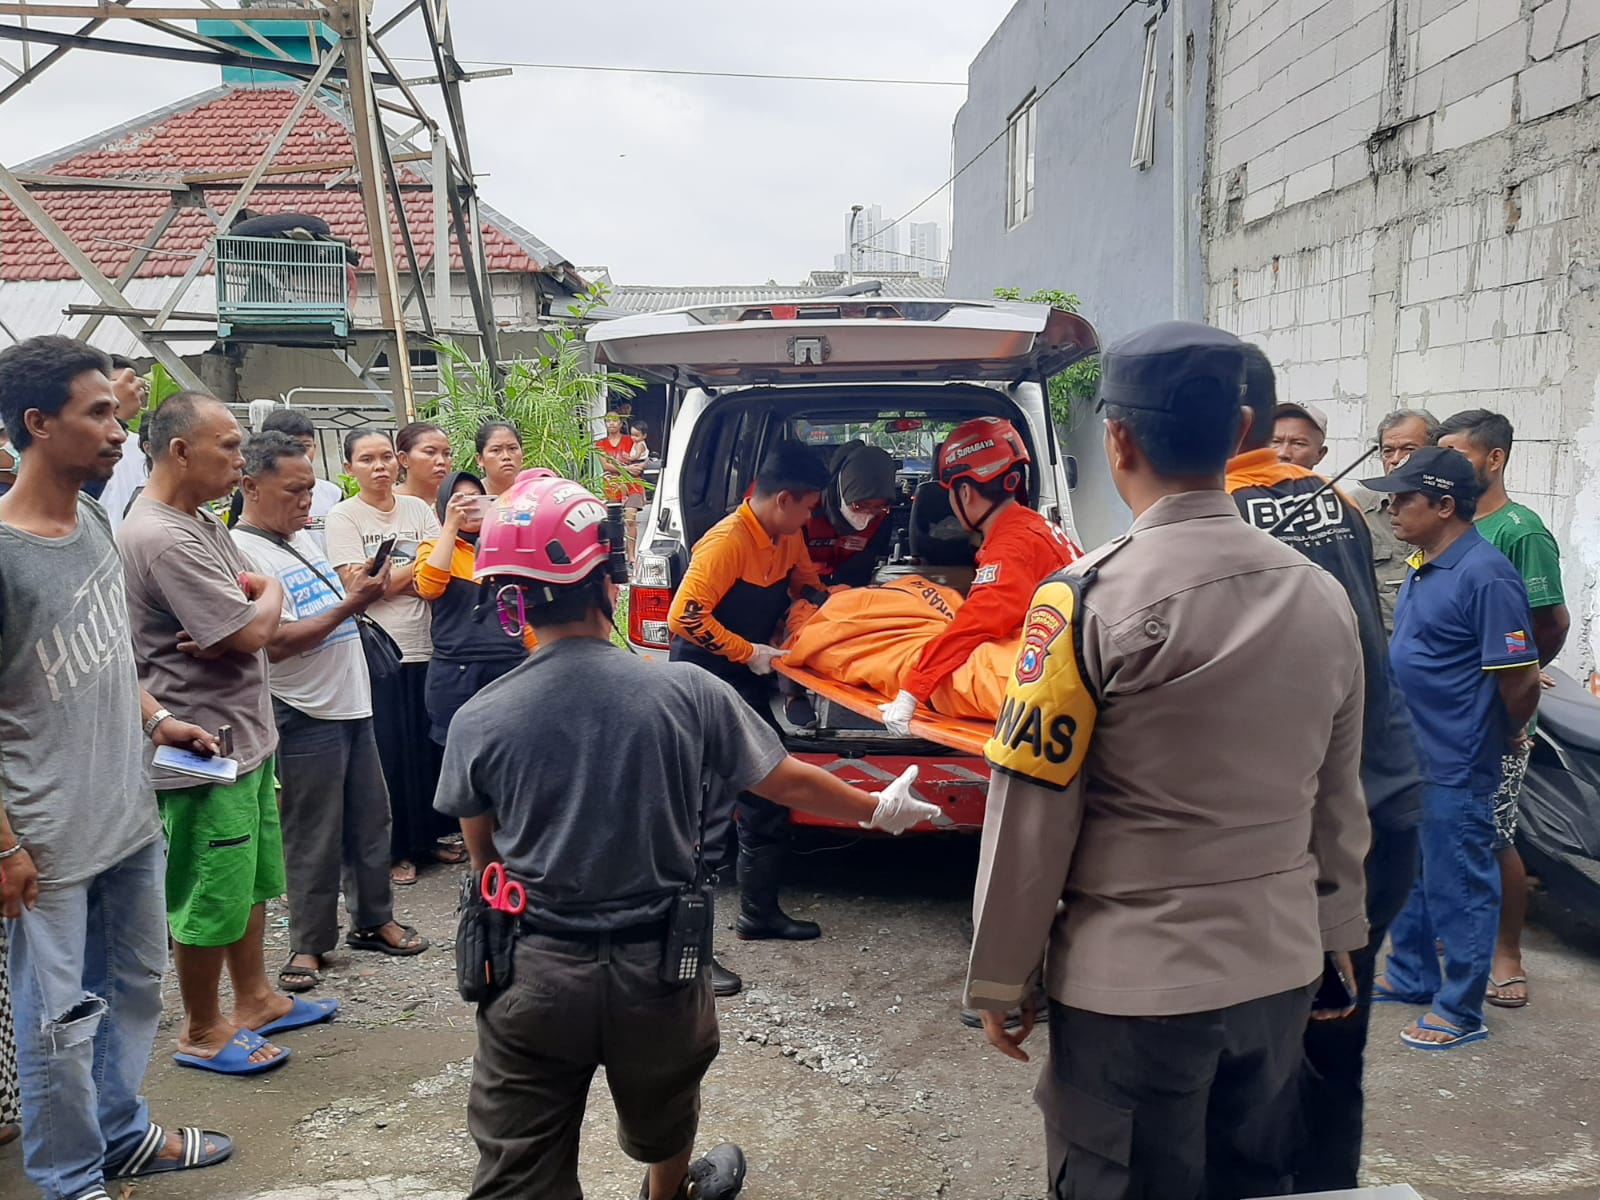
(961, 511)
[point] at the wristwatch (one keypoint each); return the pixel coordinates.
(156, 718)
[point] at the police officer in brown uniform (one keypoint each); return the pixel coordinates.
(1176, 809)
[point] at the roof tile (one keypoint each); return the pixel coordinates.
(217, 133)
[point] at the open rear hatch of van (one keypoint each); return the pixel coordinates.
(846, 339)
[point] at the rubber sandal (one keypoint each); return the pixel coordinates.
(371, 939)
(304, 1012)
(234, 1058)
(9, 1133)
(1457, 1038)
(1386, 995)
(448, 854)
(143, 1160)
(1507, 1001)
(310, 977)
(405, 879)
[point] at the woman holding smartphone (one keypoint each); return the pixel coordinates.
(470, 649)
(423, 452)
(355, 529)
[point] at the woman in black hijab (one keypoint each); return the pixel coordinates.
(470, 649)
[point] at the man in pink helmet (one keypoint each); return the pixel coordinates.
(582, 772)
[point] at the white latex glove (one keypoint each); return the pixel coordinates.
(897, 714)
(763, 657)
(898, 810)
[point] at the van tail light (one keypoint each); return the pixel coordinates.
(647, 616)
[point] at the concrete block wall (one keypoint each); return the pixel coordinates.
(1434, 243)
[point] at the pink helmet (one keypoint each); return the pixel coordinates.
(545, 529)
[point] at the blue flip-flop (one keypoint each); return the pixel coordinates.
(1457, 1037)
(143, 1160)
(304, 1012)
(1386, 995)
(234, 1058)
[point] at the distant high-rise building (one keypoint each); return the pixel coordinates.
(925, 254)
(881, 246)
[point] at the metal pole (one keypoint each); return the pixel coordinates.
(1180, 164)
(350, 20)
(441, 231)
(850, 246)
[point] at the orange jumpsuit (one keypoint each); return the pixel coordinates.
(736, 591)
(1019, 553)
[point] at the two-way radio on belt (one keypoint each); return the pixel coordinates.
(1293, 515)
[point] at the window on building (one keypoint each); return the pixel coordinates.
(1021, 131)
(1144, 127)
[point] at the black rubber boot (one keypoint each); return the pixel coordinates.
(760, 875)
(723, 981)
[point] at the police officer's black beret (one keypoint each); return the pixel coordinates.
(1177, 367)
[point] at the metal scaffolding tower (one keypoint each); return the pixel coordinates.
(360, 68)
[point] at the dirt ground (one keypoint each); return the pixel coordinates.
(844, 1071)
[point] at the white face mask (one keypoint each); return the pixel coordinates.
(856, 520)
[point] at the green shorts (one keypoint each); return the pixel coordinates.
(224, 856)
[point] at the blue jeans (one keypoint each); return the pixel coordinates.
(1455, 901)
(86, 966)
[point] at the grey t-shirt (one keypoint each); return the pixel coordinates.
(72, 749)
(183, 575)
(591, 761)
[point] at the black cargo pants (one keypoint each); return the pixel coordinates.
(576, 1004)
(1331, 1097)
(1192, 1107)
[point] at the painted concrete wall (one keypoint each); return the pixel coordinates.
(1099, 228)
(1403, 209)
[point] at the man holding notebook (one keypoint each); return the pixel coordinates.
(201, 621)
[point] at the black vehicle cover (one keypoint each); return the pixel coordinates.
(1559, 832)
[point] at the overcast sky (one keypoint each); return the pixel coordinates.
(666, 180)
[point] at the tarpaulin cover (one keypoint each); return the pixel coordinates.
(868, 638)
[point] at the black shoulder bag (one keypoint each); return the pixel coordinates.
(382, 651)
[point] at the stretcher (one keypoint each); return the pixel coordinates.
(966, 734)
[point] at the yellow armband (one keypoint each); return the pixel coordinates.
(1043, 731)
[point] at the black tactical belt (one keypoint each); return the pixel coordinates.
(628, 935)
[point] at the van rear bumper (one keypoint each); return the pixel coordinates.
(957, 783)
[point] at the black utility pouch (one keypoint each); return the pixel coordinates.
(476, 938)
(502, 941)
(688, 946)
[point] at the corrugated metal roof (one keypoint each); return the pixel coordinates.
(34, 306)
(641, 299)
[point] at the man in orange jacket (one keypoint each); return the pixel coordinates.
(983, 464)
(743, 575)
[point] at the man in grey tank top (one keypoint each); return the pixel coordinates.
(87, 922)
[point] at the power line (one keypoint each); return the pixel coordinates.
(990, 144)
(536, 66)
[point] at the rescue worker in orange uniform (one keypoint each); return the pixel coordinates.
(743, 575)
(984, 464)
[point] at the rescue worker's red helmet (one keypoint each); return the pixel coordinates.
(544, 529)
(982, 450)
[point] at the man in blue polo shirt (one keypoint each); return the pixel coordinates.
(1466, 661)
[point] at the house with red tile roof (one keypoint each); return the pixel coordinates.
(142, 201)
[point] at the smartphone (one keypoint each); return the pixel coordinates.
(216, 769)
(1335, 993)
(482, 506)
(385, 548)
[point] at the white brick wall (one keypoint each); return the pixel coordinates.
(1301, 86)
